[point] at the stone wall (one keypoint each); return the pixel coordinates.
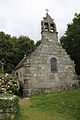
(9, 107)
(20, 76)
(38, 75)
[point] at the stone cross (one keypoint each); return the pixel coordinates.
(47, 11)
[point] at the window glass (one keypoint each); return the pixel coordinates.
(53, 63)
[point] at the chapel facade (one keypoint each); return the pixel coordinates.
(48, 68)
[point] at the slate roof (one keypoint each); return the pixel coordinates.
(21, 63)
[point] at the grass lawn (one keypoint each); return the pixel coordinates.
(56, 106)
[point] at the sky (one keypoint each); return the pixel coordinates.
(23, 17)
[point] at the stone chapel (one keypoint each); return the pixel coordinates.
(48, 68)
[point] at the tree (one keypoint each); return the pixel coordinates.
(6, 50)
(71, 41)
(13, 49)
(23, 46)
(38, 43)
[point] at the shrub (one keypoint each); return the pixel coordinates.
(9, 104)
(9, 84)
(79, 80)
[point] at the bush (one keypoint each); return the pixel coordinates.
(79, 80)
(9, 104)
(9, 84)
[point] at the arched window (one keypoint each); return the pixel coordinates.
(52, 27)
(46, 26)
(54, 66)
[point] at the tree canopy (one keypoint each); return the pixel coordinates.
(71, 41)
(13, 49)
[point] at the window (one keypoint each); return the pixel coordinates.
(54, 67)
(51, 27)
(46, 26)
(17, 74)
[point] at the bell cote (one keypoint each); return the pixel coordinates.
(48, 25)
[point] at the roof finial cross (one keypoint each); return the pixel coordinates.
(47, 11)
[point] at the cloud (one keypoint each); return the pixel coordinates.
(22, 17)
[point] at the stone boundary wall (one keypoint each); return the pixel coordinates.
(9, 107)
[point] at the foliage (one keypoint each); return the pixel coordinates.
(71, 41)
(9, 84)
(56, 106)
(13, 49)
(9, 104)
(79, 80)
(38, 43)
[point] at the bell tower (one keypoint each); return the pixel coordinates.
(48, 25)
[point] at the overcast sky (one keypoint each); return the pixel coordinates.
(23, 17)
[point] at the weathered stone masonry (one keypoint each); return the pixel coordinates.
(48, 68)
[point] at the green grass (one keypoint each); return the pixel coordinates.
(56, 106)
